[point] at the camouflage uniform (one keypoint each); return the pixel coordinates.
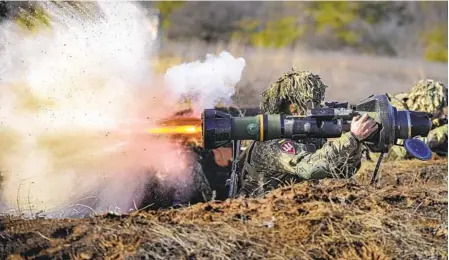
(426, 96)
(200, 182)
(266, 165)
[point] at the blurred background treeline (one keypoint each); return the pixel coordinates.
(405, 29)
(365, 46)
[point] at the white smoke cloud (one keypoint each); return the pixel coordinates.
(75, 100)
(207, 82)
(70, 98)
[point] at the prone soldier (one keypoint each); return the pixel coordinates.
(428, 96)
(267, 165)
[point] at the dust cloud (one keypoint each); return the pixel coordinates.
(75, 99)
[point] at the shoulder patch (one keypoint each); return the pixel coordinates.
(288, 147)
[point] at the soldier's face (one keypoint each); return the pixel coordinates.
(294, 110)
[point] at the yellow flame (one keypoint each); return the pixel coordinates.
(184, 129)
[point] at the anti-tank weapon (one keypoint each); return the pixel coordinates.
(330, 121)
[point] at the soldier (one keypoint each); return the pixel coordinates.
(428, 96)
(266, 165)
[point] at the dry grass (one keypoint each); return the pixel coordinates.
(349, 76)
(405, 217)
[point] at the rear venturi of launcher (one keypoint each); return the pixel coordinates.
(219, 128)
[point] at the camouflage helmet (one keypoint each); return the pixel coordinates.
(427, 96)
(301, 88)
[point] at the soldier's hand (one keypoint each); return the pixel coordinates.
(363, 127)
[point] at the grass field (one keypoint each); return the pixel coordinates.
(404, 217)
(82, 64)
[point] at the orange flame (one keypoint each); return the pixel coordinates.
(183, 129)
(180, 129)
(178, 125)
(188, 129)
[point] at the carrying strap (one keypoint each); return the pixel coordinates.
(247, 167)
(376, 170)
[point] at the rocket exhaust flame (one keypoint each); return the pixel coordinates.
(184, 126)
(183, 129)
(76, 98)
(188, 130)
(179, 129)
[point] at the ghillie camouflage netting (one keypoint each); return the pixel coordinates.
(301, 88)
(427, 96)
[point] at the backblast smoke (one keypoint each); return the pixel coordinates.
(76, 98)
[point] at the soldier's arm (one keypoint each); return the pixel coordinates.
(330, 160)
(340, 158)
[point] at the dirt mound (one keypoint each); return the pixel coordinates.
(404, 217)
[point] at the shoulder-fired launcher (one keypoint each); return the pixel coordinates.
(330, 121)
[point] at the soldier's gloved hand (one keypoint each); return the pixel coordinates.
(363, 127)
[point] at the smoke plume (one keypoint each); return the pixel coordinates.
(208, 82)
(75, 100)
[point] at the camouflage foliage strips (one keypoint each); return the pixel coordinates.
(427, 96)
(301, 88)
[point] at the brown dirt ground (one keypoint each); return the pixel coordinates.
(404, 217)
